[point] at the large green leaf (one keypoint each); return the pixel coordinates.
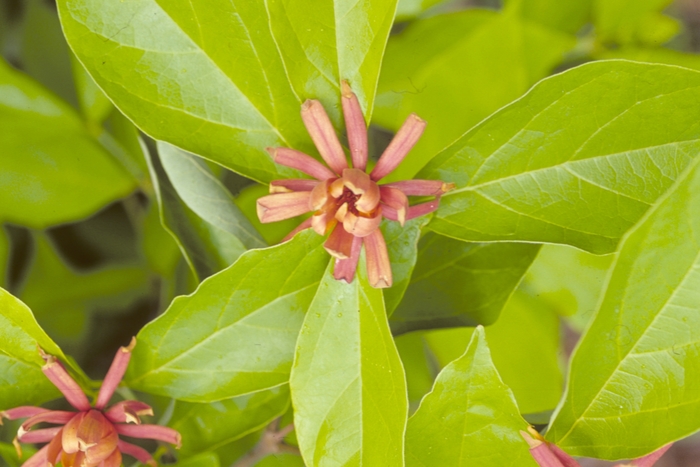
(21, 380)
(4, 256)
(651, 55)
(204, 194)
(53, 170)
(236, 333)
(225, 80)
(557, 166)
(205, 427)
(633, 378)
(568, 16)
(633, 21)
(457, 283)
(469, 418)
(348, 385)
(455, 69)
(207, 248)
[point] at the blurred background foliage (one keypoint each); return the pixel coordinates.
(95, 269)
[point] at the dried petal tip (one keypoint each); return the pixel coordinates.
(345, 89)
(532, 442)
(18, 448)
(447, 187)
(131, 345)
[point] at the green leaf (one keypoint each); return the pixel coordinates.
(21, 380)
(652, 55)
(57, 172)
(556, 166)
(236, 333)
(401, 243)
(415, 357)
(469, 418)
(4, 257)
(207, 248)
(206, 195)
(62, 298)
(409, 9)
(630, 22)
(568, 16)
(281, 460)
(230, 77)
(8, 453)
(455, 69)
(348, 385)
(206, 427)
(94, 105)
(207, 459)
(628, 390)
(456, 283)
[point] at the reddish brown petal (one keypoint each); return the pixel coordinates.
(362, 226)
(157, 432)
(128, 412)
(38, 459)
(292, 184)
(323, 135)
(280, 206)
(360, 184)
(21, 412)
(564, 458)
(58, 417)
(422, 209)
(114, 459)
(319, 195)
(300, 161)
(339, 243)
(395, 199)
(344, 269)
(422, 187)
(136, 452)
(54, 449)
(323, 222)
(378, 265)
(70, 434)
(390, 213)
(405, 139)
(355, 125)
(650, 459)
(67, 385)
(541, 453)
(115, 374)
(38, 436)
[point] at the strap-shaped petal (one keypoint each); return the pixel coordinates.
(115, 374)
(303, 226)
(300, 161)
(280, 206)
(157, 432)
(21, 412)
(422, 209)
(63, 381)
(540, 451)
(136, 452)
(395, 199)
(292, 184)
(422, 187)
(378, 265)
(344, 269)
(564, 457)
(355, 126)
(339, 243)
(59, 417)
(38, 459)
(407, 136)
(323, 135)
(650, 459)
(38, 436)
(128, 412)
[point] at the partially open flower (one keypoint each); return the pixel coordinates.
(347, 201)
(90, 436)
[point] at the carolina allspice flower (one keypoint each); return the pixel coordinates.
(90, 436)
(347, 201)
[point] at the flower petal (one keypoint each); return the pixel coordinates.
(38, 459)
(59, 417)
(75, 459)
(97, 437)
(362, 226)
(541, 453)
(323, 135)
(70, 434)
(128, 412)
(564, 458)
(115, 374)
(38, 436)
(395, 199)
(319, 195)
(344, 269)
(378, 265)
(339, 243)
(21, 412)
(422, 209)
(303, 226)
(54, 449)
(136, 452)
(67, 385)
(161, 433)
(323, 222)
(407, 136)
(114, 459)
(422, 187)
(280, 206)
(300, 161)
(650, 459)
(355, 125)
(292, 184)
(360, 184)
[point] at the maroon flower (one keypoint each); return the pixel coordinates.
(90, 436)
(346, 195)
